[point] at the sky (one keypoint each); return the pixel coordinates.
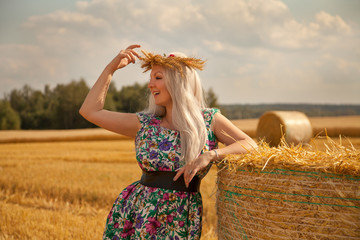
(257, 51)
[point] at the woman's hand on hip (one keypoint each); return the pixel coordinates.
(124, 58)
(191, 168)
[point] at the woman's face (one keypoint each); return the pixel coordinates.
(158, 88)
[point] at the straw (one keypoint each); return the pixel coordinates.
(290, 192)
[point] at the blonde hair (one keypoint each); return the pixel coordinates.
(188, 100)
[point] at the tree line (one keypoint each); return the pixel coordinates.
(241, 111)
(58, 108)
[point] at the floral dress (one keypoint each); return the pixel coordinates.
(142, 212)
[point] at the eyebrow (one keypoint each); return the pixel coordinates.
(157, 72)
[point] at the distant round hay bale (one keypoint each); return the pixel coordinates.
(294, 126)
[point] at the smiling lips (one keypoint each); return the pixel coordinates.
(155, 93)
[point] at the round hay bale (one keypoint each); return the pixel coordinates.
(294, 126)
(289, 193)
(266, 205)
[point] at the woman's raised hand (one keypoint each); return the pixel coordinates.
(124, 58)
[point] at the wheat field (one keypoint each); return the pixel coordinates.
(63, 187)
(64, 190)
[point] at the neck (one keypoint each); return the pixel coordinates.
(167, 118)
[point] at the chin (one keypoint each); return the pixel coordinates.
(160, 105)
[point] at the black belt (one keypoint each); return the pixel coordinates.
(164, 179)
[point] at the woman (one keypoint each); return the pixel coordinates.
(176, 140)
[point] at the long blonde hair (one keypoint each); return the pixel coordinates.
(188, 102)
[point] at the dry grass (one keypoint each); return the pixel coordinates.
(291, 190)
(55, 188)
(91, 134)
(345, 125)
(336, 159)
(64, 190)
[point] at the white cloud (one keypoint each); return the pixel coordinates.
(27, 64)
(63, 29)
(249, 44)
(329, 23)
(270, 23)
(60, 17)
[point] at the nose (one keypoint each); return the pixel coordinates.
(151, 84)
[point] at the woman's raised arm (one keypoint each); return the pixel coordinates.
(93, 107)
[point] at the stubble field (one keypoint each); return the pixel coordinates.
(64, 190)
(60, 185)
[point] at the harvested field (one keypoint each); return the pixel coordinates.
(335, 126)
(346, 126)
(91, 134)
(61, 185)
(64, 190)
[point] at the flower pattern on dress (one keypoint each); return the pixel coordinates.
(142, 212)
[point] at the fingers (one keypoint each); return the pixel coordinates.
(132, 51)
(135, 53)
(189, 172)
(129, 54)
(133, 46)
(179, 172)
(189, 175)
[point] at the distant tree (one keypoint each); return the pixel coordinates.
(58, 108)
(29, 104)
(19, 99)
(110, 102)
(211, 99)
(132, 98)
(67, 102)
(9, 118)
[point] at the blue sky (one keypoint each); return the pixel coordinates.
(257, 51)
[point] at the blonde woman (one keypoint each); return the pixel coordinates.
(176, 143)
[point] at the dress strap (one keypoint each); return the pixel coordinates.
(143, 118)
(209, 114)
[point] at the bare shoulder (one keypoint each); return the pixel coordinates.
(221, 121)
(225, 131)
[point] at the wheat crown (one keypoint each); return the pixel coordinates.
(171, 61)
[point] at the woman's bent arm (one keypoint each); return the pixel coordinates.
(236, 141)
(92, 108)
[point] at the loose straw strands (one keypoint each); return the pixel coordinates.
(337, 159)
(290, 192)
